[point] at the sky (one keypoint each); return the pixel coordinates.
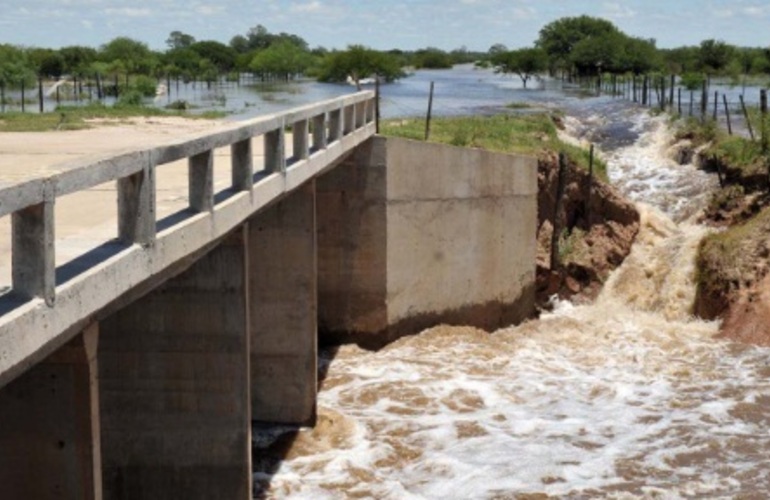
(379, 24)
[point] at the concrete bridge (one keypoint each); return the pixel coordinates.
(134, 368)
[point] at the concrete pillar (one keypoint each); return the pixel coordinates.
(49, 427)
(282, 250)
(174, 372)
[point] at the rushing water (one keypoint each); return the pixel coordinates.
(629, 397)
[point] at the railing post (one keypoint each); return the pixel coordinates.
(335, 125)
(275, 151)
(32, 250)
(319, 132)
(242, 164)
(136, 207)
(300, 139)
(201, 181)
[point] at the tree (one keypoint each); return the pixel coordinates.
(179, 40)
(15, 66)
(77, 59)
(560, 38)
(259, 38)
(639, 56)
(240, 44)
(220, 55)
(432, 58)
(715, 55)
(183, 62)
(133, 56)
(283, 59)
(48, 62)
(524, 62)
(359, 62)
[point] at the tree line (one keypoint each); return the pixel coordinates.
(279, 56)
(574, 47)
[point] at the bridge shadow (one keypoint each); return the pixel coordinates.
(272, 444)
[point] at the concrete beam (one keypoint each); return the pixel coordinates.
(49, 427)
(282, 253)
(174, 373)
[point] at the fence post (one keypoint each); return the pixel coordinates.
(727, 114)
(746, 115)
(671, 92)
(763, 111)
(557, 209)
(430, 110)
(716, 104)
(704, 101)
(377, 104)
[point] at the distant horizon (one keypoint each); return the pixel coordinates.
(400, 24)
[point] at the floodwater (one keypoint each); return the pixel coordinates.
(629, 397)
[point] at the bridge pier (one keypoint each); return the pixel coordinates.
(174, 367)
(49, 426)
(282, 256)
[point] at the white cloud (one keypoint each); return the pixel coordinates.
(209, 9)
(308, 7)
(128, 12)
(616, 10)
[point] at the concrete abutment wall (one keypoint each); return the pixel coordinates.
(413, 234)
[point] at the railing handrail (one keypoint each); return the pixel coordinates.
(82, 174)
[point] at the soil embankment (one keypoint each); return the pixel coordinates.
(596, 232)
(733, 265)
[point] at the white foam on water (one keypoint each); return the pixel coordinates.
(629, 397)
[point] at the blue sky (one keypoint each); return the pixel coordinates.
(380, 24)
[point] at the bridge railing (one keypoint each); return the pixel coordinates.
(314, 129)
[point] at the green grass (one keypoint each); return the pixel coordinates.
(530, 134)
(727, 258)
(75, 118)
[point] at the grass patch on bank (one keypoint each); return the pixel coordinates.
(729, 258)
(530, 134)
(76, 117)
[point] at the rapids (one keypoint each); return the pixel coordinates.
(629, 397)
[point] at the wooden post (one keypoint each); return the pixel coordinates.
(679, 100)
(692, 102)
(557, 209)
(377, 104)
(40, 92)
(763, 110)
(644, 91)
(662, 94)
(718, 166)
(727, 114)
(704, 101)
(633, 83)
(671, 91)
(748, 120)
(22, 96)
(589, 190)
(430, 111)
(716, 104)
